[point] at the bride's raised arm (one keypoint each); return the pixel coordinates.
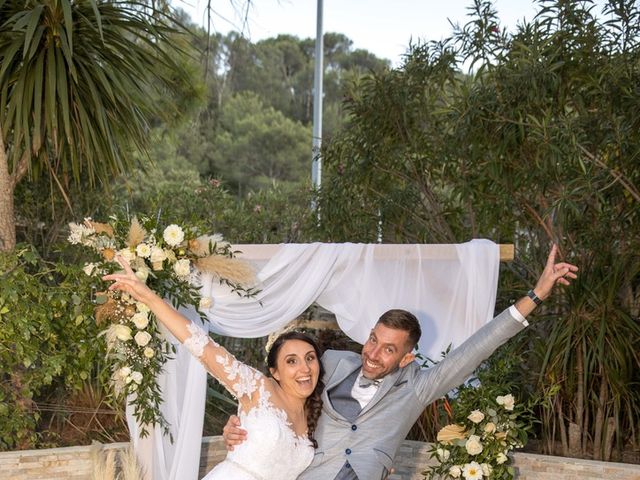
(239, 379)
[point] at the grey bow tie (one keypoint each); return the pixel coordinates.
(366, 383)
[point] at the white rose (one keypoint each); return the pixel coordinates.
(455, 471)
(206, 302)
(443, 454)
(140, 320)
(143, 250)
(149, 352)
(506, 401)
(142, 307)
(473, 445)
(143, 273)
(173, 235)
(142, 338)
(127, 254)
(476, 416)
(182, 267)
(157, 255)
(490, 427)
(501, 458)
(136, 377)
(122, 332)
(486, 469)
(124, 372)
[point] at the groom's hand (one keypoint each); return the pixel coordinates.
(561, 273)
(232, 433)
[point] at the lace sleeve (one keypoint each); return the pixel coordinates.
(239, 379)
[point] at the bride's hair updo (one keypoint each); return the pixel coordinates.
(313, 404)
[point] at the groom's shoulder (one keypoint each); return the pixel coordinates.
(333, 356)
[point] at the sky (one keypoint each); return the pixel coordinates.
(384, 27)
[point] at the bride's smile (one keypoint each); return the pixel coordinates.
(297, 369)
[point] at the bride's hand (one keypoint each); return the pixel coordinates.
(128, 282)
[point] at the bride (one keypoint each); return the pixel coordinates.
(279, 412)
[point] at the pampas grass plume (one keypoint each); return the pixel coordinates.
(136, 233)
(104, 463)
(232, 269)
(130, 468)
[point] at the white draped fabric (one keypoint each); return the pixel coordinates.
(450, 288)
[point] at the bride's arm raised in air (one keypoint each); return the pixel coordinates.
(239, 379)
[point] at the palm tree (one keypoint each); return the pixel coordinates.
(75, 77)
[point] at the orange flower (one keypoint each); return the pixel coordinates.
(99, 227)
(108, 254)
(194, 245)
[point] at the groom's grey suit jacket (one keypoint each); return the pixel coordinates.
(369, 442)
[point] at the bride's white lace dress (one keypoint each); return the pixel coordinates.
(272, 451)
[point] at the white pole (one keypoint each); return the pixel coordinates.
(316, 160)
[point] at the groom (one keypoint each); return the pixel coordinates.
(370, 401)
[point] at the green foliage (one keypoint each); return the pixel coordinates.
(276, 214)
(47, 338)
(538, 143)
(280, 71)
(257, 145)
(77, 87)
(69, 95)
(493, 423)
(255, 126)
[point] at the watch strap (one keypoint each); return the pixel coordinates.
(532, 295)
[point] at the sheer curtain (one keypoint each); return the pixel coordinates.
(450, 288)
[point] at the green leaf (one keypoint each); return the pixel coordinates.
(63, 94)
(50, 93)
(98, 18)
(33, 19)
(68, 23)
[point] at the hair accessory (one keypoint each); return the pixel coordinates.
(274, 335)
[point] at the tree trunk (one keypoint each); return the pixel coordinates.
(598, 424)
(563, 430)
(608, 439)
(7, 216)
(577, 443)
(575, 440)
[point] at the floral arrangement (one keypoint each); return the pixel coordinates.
(170, 259)
(476, 447)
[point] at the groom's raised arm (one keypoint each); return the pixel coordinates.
(459, 364)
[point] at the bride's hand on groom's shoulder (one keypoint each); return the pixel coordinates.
(128, 282)
(232, 433)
